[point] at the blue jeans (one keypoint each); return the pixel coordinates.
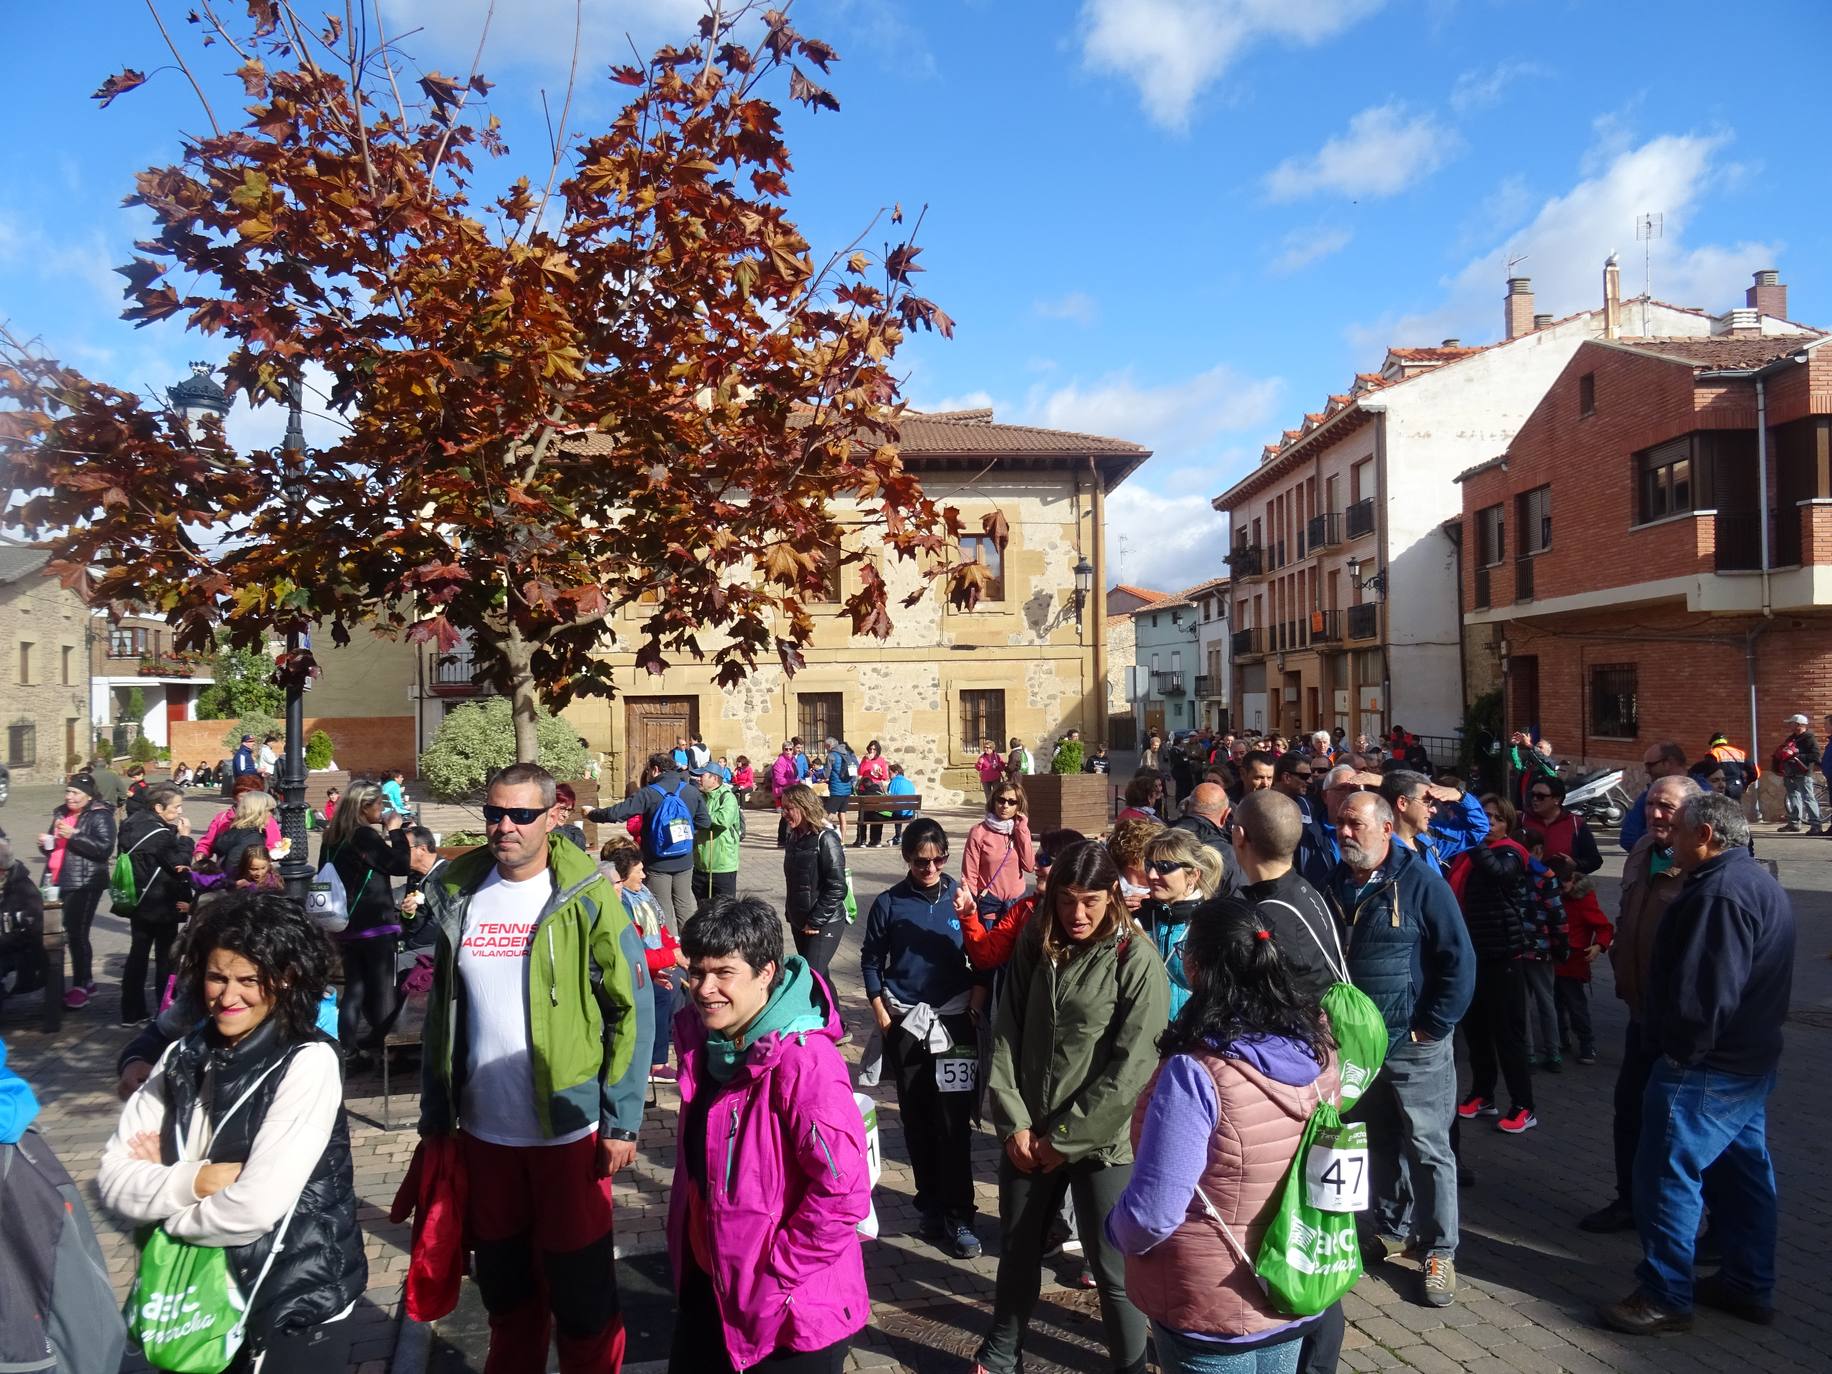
(1178, 1354)
(1802, 800)
(1694, 1119)
(1412, 1174)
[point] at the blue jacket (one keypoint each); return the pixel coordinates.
(1457, 828)
(1166, 922)
(838, 786)
(1723, 969)
(912, 947)
(244, 762)
(1407, 946)
(1635, 823)
(900, 786)
(1317, 854)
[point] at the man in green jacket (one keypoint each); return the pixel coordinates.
(532, 1025)
(715, 847)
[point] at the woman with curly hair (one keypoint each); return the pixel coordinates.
(1241, 1069)
(238, 1138)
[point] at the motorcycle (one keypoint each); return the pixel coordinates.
(1599, 798)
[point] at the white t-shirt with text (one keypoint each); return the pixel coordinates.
(497, 1102)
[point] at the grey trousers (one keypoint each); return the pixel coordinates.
(1412, 1173)
(1027, 1205)
(674, 891)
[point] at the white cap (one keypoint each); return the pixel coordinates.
(1796, 720)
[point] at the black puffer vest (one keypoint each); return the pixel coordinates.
(322, 1269)
(1498, 902)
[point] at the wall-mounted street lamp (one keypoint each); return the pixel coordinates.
(1084, 586)
(1374, 582)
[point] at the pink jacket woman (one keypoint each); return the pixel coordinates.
(995, 865)
(787, 1185)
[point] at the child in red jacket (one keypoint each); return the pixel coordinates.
(1591, 933)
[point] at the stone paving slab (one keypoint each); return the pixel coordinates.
(1530, 1279)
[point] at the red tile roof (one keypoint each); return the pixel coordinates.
(1723, 350)
(1430, 355)
(1144, 593)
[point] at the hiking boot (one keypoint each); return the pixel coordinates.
(1614, 1216)
(1640, 1315)
(1712, 1291)
(1440, 1280)
(1472, 1107)
(1517, 1122)
(958, 1240)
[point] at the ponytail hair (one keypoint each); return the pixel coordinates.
(1239, 986)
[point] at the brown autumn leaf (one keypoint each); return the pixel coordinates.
(118, 85)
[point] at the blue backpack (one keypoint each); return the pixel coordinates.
(670, 832)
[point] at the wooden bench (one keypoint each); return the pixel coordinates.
(878, 808)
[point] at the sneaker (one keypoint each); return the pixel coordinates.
(1517, 1121)
(1552, 1064)
(1587, 1055)
(1789, 829)
(663, 1073)
(1472, 1107)
(75, 999)
(1440, 1280)
(958, 1240)
(1640, 1315)
(1614, 1216)
(1381, 1247)
(1085, 1279)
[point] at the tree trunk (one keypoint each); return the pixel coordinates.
(524, 701)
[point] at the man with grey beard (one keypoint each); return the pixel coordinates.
(1409, 951)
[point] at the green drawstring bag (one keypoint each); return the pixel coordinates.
(1310, 1254)
(186, 1313)
(1355, 1022)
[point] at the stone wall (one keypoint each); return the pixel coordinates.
(45, 669)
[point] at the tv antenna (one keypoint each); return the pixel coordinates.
(1514, 262)
(1649, 226)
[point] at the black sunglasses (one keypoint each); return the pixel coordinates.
(1165, 867)
(521, 815)
(926, 864)
(1538, 796)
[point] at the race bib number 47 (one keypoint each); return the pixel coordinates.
(1336, 1170)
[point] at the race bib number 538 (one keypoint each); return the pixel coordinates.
(956, 1073)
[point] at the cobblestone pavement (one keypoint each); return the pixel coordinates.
(1530, 1279)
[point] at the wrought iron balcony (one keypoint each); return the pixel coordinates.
(1359, 518)
(1323, 531)
(1364, 621)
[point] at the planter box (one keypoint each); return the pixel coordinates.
(1069, 801)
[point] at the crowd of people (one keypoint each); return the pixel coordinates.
(1137, 1017)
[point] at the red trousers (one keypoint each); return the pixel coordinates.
(539, 1224)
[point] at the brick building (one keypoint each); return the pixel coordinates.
(44, 628)
(131, 652)
(1651, 557)
(1344, 547)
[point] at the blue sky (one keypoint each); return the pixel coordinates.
(1183, 222)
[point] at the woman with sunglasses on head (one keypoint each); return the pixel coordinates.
(927, 1004)
(367, 845)
(1182, 873)
(1243, 1066)
(270, 1181)
(1085, 993)
(998, 853)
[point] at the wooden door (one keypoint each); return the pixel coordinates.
(651, 725)
(177, 706)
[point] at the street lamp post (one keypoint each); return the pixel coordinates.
(296, 867)
(1084, 587)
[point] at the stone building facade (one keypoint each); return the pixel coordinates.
(44, 629)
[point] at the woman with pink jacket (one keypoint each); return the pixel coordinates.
(771, 1179)
(998, 853)
(1243, 1066)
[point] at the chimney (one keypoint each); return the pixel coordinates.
(1518, 306)
(1542, 321)
(1451, 343)
(1745, 322)
(1768, 295)
(1612, 298)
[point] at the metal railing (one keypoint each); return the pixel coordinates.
(456, 672)
(1738, 536)
(1482, 588)
(1323, 531)
(1167, 684)
(1359, 518)
(1251, 640)
(1523, 580)
(1326, 627)
(1364, 621)
(1247, 560)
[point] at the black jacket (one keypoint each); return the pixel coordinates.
(1497, 902)
(88, 854)
(322, 1268)
(1304, 929)
(644, 802)
(162, 862)
(366, 863)
(814, 867)
(1723, 969)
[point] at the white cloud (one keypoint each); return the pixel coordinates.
(1571, 234)
(536, 32)
(1170, 417)
(1161, 541)
(249, 428)
(84, 257)
(1077, 306)
(1172, 50)
(1482, 87)
(1301, 247)
(1384, 151)
(972, 400)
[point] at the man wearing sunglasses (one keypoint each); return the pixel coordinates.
(538, 1029)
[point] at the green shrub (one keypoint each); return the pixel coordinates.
(318, 752)
(142, 750)
(136, 705)
(254, 723)
(1067, 758)
(476, 740)
(470, 839)
(165, 753)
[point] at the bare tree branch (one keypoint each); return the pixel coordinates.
(184, 67)
(559, 142)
